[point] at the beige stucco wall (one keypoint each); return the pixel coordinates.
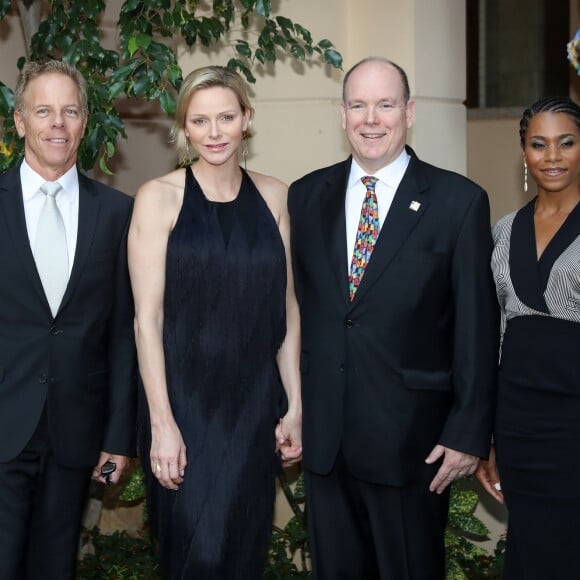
(494, 160)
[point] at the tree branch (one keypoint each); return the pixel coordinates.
(30, 11)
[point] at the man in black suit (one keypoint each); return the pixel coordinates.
(398, 357)
(67, 360)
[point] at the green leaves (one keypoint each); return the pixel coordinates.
(167, 102)
(243, 48)
(6, 100)
(461, 518)
(463, 558)
(298, 52)
(288, 551)
(333, 58)
(134, 487)
(118, 556)
(144, 65)
(141, 41)
(263, 8)
(11, 146)
(4, 7)
(240, 66)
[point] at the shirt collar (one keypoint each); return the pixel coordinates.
(31, 182)
(390, 175)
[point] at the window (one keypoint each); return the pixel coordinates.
(516, 51)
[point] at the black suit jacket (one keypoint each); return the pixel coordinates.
(81, 363)
(411, 362)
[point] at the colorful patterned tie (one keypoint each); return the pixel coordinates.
(366, 236)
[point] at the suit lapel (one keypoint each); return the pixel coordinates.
(409, 205)
(13, 208)
(89, 207)
(333, 226)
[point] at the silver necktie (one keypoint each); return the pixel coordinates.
(50, 248)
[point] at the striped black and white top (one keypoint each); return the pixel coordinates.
(549, 286)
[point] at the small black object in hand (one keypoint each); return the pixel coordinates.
(106, 470)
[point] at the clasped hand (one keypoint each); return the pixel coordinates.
(289, 438)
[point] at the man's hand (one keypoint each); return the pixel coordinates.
(455, 466)
(121, 461)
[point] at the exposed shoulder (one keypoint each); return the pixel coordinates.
(274, 192)
(165, 185)
(159, 201)
(267, 184)
(166, 190)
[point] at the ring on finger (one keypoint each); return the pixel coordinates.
(157, 468)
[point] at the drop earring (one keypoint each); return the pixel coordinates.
(245, 149)
(189, 151)
(525, 177)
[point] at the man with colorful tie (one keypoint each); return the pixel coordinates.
(67, 355)
(399, 339)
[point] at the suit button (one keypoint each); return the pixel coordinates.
(349, 323)
(42, 378)
(54, 330)
(341, 368)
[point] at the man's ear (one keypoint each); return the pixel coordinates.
(19, 123)
(410, 112)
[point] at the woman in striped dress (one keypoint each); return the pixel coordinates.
(536, 265)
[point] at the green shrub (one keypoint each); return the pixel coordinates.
(118, 556)
(122, 557)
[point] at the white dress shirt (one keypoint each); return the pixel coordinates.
(389, 178)
(67, 201)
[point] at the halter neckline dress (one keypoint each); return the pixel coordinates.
(224, 321)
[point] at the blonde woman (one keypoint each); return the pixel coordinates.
(217, 331)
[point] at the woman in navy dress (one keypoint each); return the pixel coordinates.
(536, 264)
(217, 331)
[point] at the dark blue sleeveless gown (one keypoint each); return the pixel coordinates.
(224, 311)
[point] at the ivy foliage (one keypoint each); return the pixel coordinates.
(144, 64)
(118, 556)
(288, 557)
(289, 550)
(464, 560)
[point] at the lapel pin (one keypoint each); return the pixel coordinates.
(415, 205)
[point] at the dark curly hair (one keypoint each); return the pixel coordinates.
(549, 105)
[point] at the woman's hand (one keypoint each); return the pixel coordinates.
(289, 438)
(488, 476)
(168, 457)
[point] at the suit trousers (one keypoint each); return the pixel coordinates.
(366, 531)
(41, 508)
